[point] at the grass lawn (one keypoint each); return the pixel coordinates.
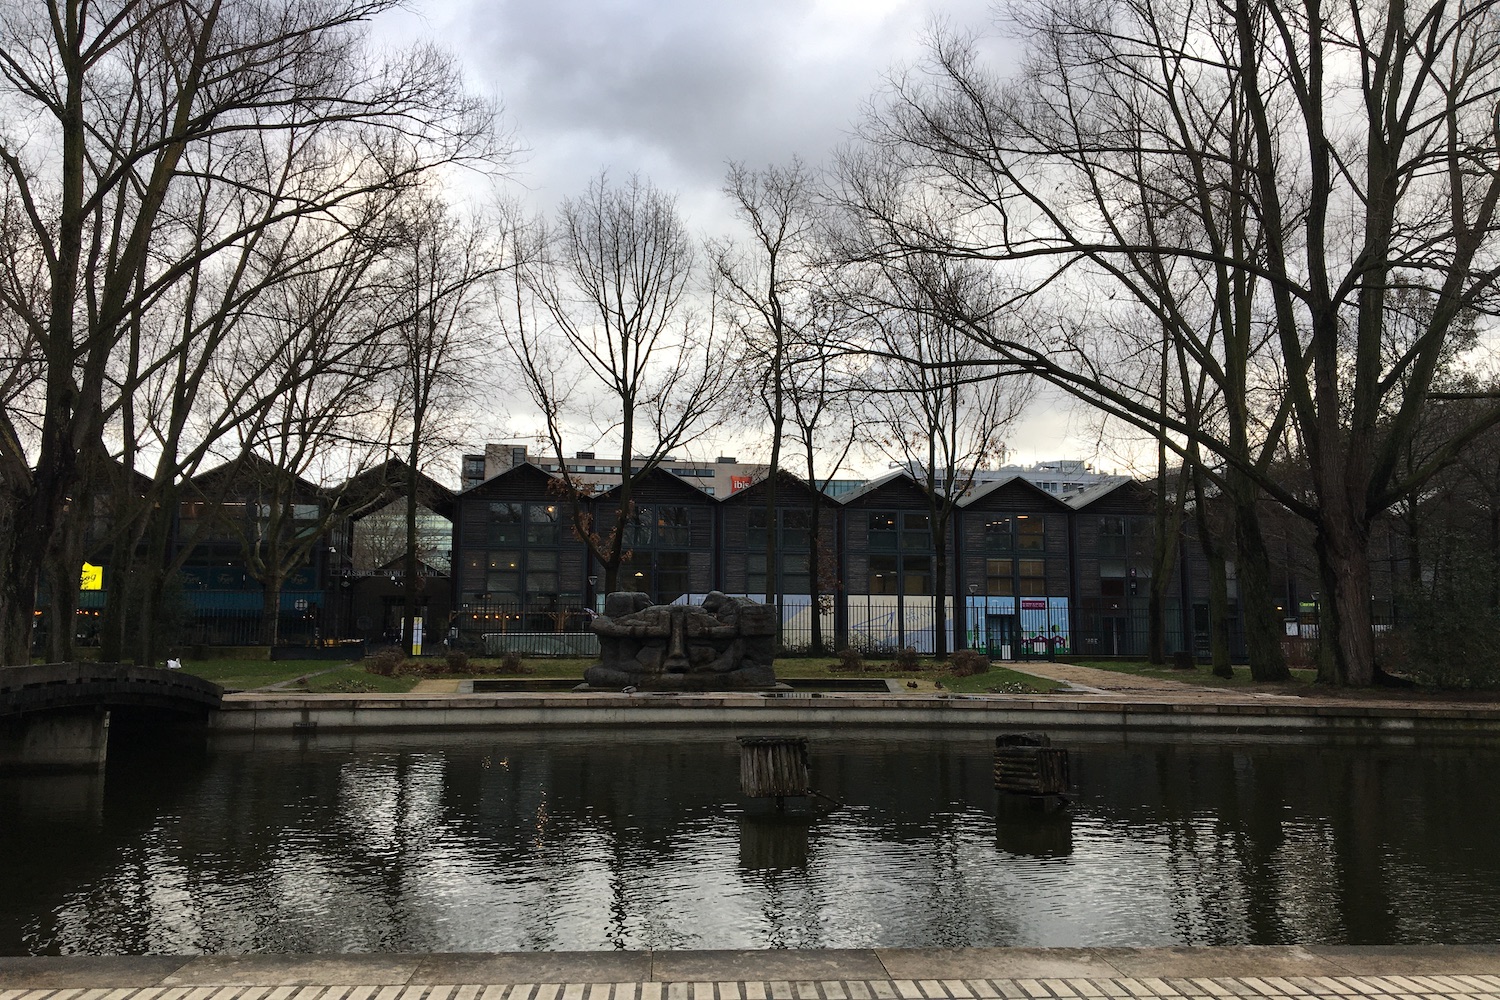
(242, 675)
(330, 677)
(1199, 675)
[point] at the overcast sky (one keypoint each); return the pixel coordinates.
(675, 89)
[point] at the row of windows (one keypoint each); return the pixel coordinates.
(900, 560)
(536, 524)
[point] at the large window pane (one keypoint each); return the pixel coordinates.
(673, 527)
(1030, 533)
(755, 530)
(671, 576)
(882, 575)
(916, 534)
(882, 535)
(998, 534)
(638, 528)
(916, 573)
(999, 578)
(543, 524)
(505, 523)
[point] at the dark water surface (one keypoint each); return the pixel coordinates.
(601, 839)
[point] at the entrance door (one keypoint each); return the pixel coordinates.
(1002, 632)
(1114, 636)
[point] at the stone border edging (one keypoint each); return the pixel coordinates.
(271, 713)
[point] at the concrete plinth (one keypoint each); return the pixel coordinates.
(67, 740)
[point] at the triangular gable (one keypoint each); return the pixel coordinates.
(896, 487)
(1122, 495)
(246, 471)
(387, 481)
(1009, 492)
(656, 485)
(525, 478)
(791, 489)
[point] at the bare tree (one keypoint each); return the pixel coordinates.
(1309, 158)
(605, 290)
(111, 109)
(767, 296)
(440, 271)
(940, 409)
(822, 396)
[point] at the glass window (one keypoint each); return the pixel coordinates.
(916, 574)
(882, 574)
(998, 534)
(755, 531)
(671, 576)
(673, 526)
(638, 527)
(999, 578)
(1112, 536)
(795, 577)
(503, 577)
(795, 527)
(506, 520)
(882, 535)
(755, 573)
(1030, 533)
(916, 534)
(542, 524)
(541, 574)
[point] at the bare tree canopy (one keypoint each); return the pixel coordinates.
(1261, 178)
(605, 288)
(162, 157)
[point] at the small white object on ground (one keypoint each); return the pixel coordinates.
(174, 664)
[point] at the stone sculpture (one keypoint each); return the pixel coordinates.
(726, 644)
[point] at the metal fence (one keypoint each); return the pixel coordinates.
(213, 627)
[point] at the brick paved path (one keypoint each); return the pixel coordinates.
(1408, 987)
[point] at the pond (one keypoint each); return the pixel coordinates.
(599, 839)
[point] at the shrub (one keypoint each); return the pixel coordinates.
(907, 659)
(457, 661)
(968, 662)
(386, 663)
(849, 661)
(1452, 643)
(510, 663)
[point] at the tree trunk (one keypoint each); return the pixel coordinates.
(21, 567)
(1257, 605)
(409, 563)
(814, 575)
(940, 589)
(270, 610)
(62, 568)
(1346, 645)
(1218, 612)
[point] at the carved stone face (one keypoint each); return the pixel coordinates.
(722, 637)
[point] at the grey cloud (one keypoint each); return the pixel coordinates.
(678, 88)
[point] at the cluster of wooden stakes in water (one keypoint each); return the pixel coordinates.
(1028, 769)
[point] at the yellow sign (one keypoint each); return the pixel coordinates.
(93, 577)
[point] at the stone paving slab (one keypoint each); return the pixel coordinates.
(1280, 973)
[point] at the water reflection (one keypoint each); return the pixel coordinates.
(1033, 826)
(608, 840)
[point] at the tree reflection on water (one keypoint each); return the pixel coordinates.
(604, 839)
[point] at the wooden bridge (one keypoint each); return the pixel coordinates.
(56, 716)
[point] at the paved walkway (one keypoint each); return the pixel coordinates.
(1401, 973)
(1096, 681)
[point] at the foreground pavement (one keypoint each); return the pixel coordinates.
(1256, 973)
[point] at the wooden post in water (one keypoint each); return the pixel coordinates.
(773, 767)
(1028, 764)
